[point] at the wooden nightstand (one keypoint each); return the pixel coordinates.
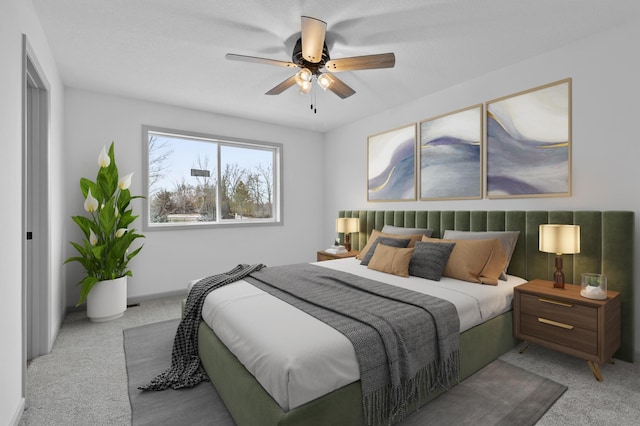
(562, 320)
(323, 255)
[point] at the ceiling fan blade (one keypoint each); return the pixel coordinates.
(382, 60)
(312, 34)
(282, 86)
(337, 86)
(257, 60)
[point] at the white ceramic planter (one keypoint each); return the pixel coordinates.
(107, 300)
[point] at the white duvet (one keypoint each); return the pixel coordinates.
(297, 358)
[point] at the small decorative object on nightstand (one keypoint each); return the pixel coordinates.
(562, 320)
(594, 286)
(324, 255)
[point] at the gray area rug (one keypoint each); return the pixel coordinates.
(148, 353)
(499, 394)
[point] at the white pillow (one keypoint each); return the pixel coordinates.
(507, 238)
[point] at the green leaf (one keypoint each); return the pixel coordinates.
(87, 284)
(79, 248)
(125, 219)
(132, 254)
(97, 251)
(123, 199)
(107, 218)
(84, 224)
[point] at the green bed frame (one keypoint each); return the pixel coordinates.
(607, 245)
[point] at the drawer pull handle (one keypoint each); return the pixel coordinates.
(555, 323)
(555, 302)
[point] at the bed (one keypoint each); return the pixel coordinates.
(607, 247)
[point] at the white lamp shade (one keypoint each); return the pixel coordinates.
(347, 224)
(560, 239)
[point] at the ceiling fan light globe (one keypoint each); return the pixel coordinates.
(305, 87)
(324, 81)
(302, 76)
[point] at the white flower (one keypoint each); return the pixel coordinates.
(90, 203)
(103, 158)
(93, 239)
(125, 182)
(120, 232)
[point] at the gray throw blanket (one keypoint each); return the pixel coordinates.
(186, 370)
(406, 343)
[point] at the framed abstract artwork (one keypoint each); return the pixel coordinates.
(450, 155)
(391, 165)
(529, 143)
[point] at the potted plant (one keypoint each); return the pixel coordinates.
(104, 251)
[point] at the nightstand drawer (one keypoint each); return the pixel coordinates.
(562, 333)
(583, 317)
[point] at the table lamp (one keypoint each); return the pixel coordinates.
(347, 225)
(559, 239)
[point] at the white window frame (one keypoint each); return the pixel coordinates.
(276, 148)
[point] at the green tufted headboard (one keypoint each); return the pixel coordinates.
(606, 245)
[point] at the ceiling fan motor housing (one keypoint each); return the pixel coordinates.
(314, 67)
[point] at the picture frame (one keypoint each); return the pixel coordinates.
(391, 165)
(450, 155)
(528, 146)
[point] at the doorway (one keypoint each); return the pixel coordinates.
(35, 254)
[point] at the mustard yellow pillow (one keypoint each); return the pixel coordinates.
(392, 260)
(375, 234)
(477, 261)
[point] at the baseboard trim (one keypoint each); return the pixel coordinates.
(139, 299)
(136, 299)
(17, 416)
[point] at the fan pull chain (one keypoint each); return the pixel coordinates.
(313, 97)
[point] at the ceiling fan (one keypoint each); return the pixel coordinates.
(311, 57)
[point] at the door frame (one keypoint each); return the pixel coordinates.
(36, 314)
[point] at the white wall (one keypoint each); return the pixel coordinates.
(606, 110)
(170, 259)
(17, 17)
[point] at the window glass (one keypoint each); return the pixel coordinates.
(205, 180)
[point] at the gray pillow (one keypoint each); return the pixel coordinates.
(399, 230)
(507, 238)
(429, 259)
(387, 241)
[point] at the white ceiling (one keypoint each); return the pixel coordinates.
(173, 51)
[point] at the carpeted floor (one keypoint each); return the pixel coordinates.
(83, 381)
(499, 394)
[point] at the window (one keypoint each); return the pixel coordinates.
(204, 180)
